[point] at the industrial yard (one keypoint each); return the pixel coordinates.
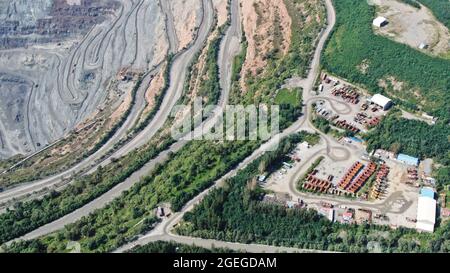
(377, 187)
(347, 107)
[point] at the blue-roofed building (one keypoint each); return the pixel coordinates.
(427, 192)
(355, 139)
(409, 160)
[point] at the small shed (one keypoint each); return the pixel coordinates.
(380, 21)
(423, 46)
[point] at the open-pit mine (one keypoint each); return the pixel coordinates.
(60, 61)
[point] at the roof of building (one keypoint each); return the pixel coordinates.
(427, 192)
(327, 212)
(380, 100)
(355, 139)
(347, 215)
(408, 159)
(425, 226)
(427, 166)
(426, 214)
(379, 21)
(445, 212)
(423, 45)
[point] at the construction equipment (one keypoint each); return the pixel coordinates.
(351, 173)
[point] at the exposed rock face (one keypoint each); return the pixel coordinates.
(57, 58)
(261, 17)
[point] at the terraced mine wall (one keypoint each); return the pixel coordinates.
(58, 58)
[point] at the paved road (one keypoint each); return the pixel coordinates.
(239, 247)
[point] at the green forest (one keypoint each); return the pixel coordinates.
(186, 174)
(414, 138)
(210, 87)
(353, 43)
(27, 216)
(172, 247)
(234, 212)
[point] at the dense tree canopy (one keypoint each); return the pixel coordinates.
(412, 137)
(172, 247)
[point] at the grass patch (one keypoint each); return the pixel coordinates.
(289, 96)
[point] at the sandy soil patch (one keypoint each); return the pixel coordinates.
(261, 17)
(412, 26)
(185, 16)
(122, 108)
(222, 11)
(153, 90)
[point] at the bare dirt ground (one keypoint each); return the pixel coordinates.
(413, 26)
(222, 12)
(153, 90)
(126, 102)
(185, 18)
(260, 18)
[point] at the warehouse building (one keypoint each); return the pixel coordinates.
(382, 101)
(380, 22)
(408, 160)
(426, 210)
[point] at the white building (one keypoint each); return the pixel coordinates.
(426, 214)
(423, 46)
(328, 213)
(382, 101)
(380, 22)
